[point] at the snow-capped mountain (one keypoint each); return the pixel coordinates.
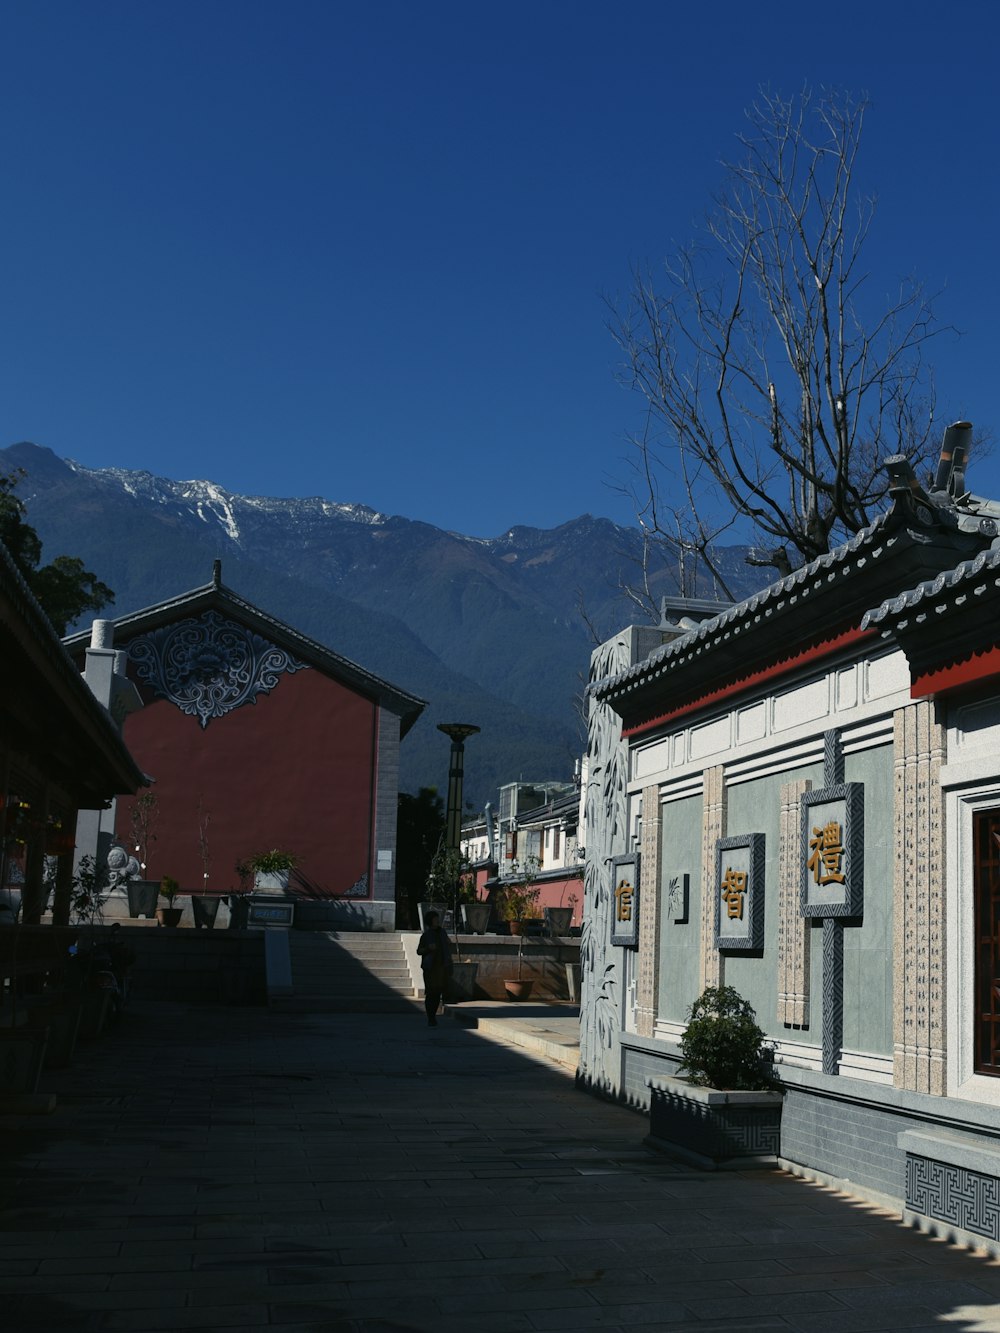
(486, 629)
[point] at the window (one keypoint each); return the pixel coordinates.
(986, 875)
(555, 844)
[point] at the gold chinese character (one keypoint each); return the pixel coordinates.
(624, 894)
(734, 886)
(827, 847)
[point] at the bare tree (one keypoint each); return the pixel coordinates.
(776, 381)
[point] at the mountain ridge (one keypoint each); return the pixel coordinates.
(488, 629)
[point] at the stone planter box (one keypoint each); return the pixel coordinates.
(712, 1129)
(204, 909)
(143, 895)
(558, 920)
(424, 910)
(463, 981)
(271, 881)
(476, 917)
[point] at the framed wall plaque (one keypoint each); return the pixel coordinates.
(832, 851)
(739, 893)
(625, 901)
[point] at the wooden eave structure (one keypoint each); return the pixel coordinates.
(55, 734)
(215, 596)
(816, 612)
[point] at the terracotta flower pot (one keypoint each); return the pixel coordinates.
(169, 916)
(519, 990)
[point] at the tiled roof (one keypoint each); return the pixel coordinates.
(947, 588)
(87, 709)
(554, 809)
(712, 633)
(409, 706)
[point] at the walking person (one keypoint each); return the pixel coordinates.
(435, 962)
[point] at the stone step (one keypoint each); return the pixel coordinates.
(317, 985)
(334, 973)
(334, 948)
(346, 1004)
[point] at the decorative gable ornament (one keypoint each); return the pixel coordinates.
(207, 666)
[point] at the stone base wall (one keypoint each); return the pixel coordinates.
(935, 1159)
(197, 966)
(344, 914)
(543, 962)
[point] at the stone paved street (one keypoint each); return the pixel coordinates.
(235, 1169)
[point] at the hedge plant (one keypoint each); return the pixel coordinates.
(722, 1046)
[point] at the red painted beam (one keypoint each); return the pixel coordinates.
(969, 671)
(774, 671)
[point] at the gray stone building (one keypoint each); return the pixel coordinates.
(805, 788)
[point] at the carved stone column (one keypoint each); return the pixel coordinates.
(712, 963)
(919, 1033)
(793, 927)
(649, 914)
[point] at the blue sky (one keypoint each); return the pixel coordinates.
(361, 251)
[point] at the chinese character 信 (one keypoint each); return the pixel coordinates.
(734, 886)
(624, 895)
(827, 847)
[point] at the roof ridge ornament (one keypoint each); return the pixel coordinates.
(947, 504)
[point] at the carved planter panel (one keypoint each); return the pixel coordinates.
(714, 1129)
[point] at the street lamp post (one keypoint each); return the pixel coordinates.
(459, 732)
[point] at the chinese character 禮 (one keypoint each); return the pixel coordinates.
(734, 886)
(827, 847)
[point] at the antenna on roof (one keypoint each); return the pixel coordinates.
(217, 573)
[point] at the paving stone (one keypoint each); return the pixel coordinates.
(385, 1186)
(911, 1317)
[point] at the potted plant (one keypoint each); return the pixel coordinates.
(520, 897)
(169, 915)
(475, 914)
(519, 987)
(239, 902)
(204, 906)
(89, 893)
(727, 1110)
(442, 879)
(143, 893)
(270, 870)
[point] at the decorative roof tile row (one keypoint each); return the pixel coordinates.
(712, 634)
(945, 590)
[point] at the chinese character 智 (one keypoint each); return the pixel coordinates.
(624, 895)
(734, 886)
(827, 847)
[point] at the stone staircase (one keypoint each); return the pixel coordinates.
(347, 972)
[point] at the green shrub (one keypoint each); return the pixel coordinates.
(272, 862)
(722, 1045)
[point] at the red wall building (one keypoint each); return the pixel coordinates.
(258, 738)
